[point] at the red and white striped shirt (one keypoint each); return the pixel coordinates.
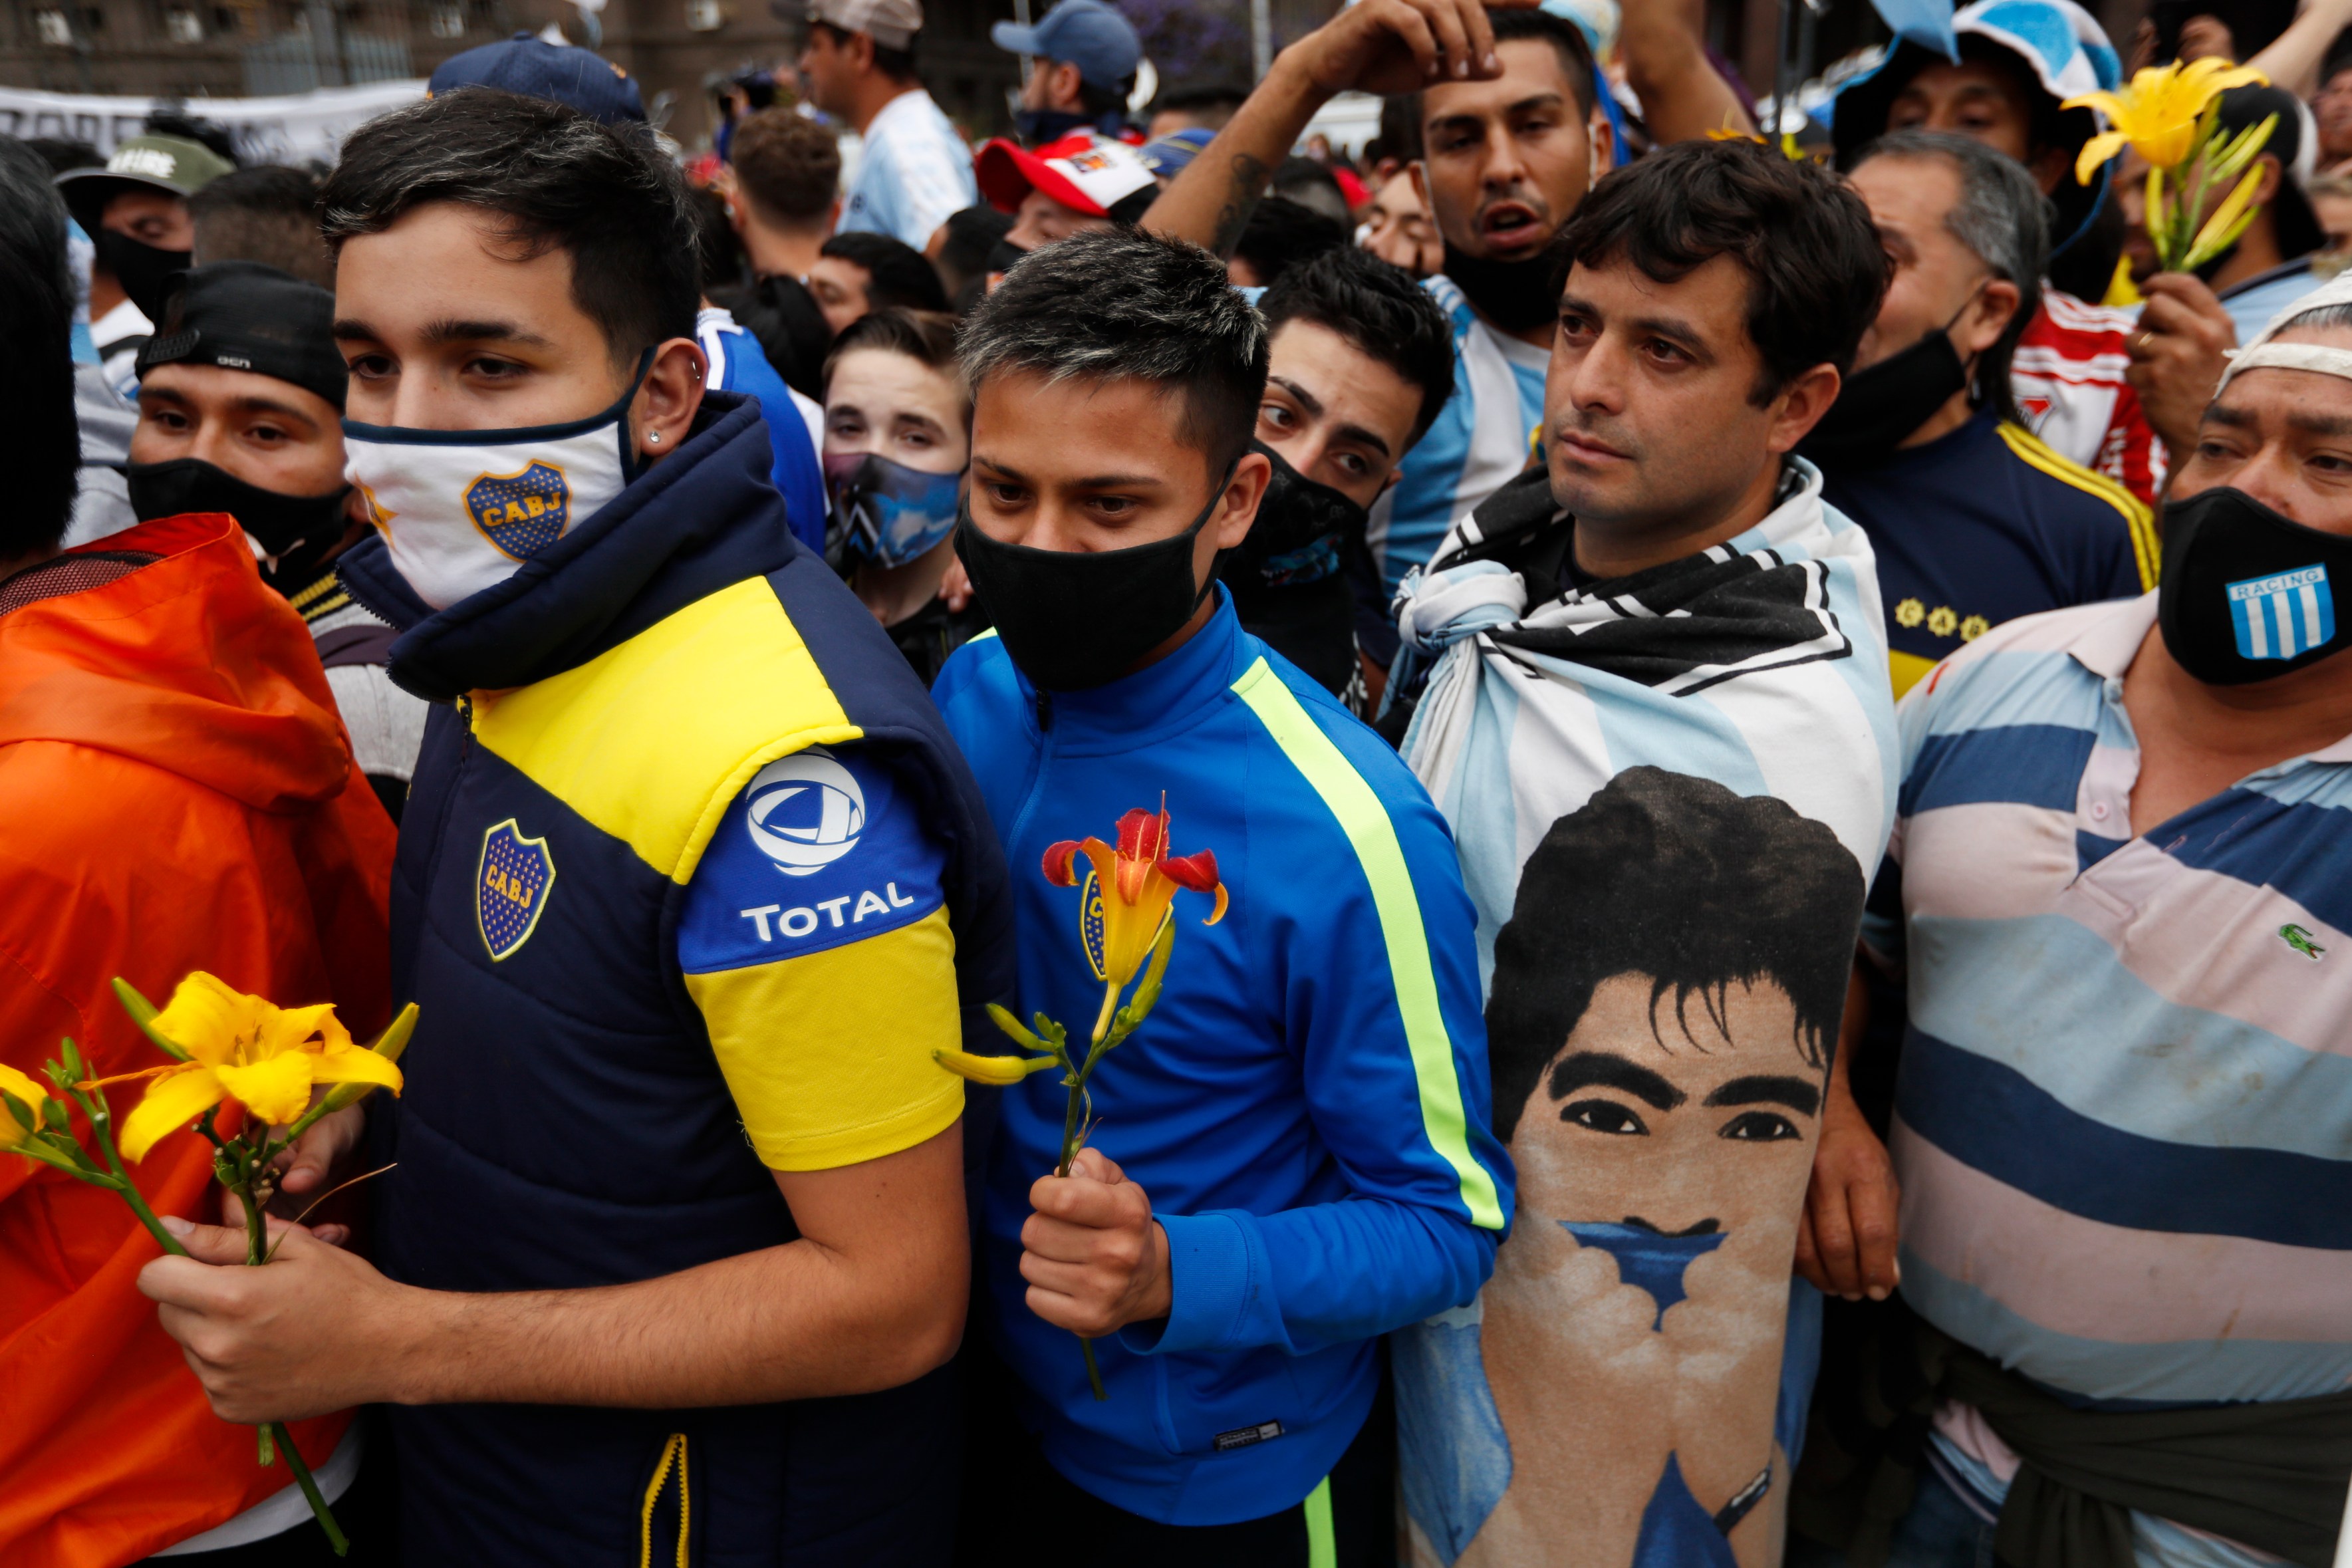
(2068, 376)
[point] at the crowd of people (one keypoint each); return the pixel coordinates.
(1729, 772)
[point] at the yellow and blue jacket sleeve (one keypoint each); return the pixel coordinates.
(814, 938)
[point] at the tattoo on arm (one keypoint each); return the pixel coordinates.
(1243, 186)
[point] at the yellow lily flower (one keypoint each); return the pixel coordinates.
(1137, 882)
(2158, 112)
(998, 1070)
(241, 1047)
(32, 1092)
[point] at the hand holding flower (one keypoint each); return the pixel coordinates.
(313, 1332)
(1095, 1259)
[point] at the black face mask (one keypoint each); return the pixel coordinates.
(2247, 594)
(1514, 295)
(1073, 619)
(1879, 407)
(295, 531)
(140, 268)
(1302, 525)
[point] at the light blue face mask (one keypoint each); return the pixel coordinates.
(888, 512)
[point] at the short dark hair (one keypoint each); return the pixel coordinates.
(1212, 103)
(266, 214)
(63, 154)
(207, 134)
(555, 179)
(1815, 269)
(782, 315)
(1678, 880)
(898, 64)
(896, 271)
(1281, 234)
(2003, 218)
(1123, 304)
(721, 261)
(787, 166)
(927, 337)
(1400, 135)
(1380, 309)
(42, 444)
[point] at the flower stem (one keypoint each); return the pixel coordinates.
(1077, 1082)
(94, 1106)
(319, 1509)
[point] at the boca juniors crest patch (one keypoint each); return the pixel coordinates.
(1090, 924)
(511, 887)
(522, 513)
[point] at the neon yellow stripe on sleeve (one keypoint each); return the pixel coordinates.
(1373, 836)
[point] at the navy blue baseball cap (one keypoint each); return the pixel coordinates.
(1087, 33)
(529, 65)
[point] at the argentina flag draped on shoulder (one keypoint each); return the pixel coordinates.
(1759, 663)
(1668, 791)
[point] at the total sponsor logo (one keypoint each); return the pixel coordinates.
(774, 921)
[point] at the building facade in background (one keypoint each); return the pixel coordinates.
(676, 49)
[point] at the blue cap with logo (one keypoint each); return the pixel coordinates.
(1088, 34)
(529, 65)
(1169, 156)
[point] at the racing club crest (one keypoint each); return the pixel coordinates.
(511, 887)
(523, 512)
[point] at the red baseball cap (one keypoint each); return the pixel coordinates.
(1092, 174)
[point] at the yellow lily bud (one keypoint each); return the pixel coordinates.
(22, 1089)
(998, 1070)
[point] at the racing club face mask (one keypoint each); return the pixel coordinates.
(2247, 594)
(462, 509)
(1072, 619)
(888, 512)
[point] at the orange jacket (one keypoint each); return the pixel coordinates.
(176, 792)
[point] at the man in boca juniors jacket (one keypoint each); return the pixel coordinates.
(691, 886)
(1292, 1155)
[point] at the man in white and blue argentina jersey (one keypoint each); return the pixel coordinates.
(2120, 895)
(1658, 724)
(857, 64)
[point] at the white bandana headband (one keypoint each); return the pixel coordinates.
(2264, 355)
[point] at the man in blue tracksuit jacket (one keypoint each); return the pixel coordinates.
(1293, 1155)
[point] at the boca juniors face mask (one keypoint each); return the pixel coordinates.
(463, 510)
(2247, 594)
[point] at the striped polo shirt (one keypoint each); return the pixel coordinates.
(2123, 1116)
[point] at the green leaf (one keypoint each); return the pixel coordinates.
(54, 1112)
(22, 1113)
(143, 1012)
